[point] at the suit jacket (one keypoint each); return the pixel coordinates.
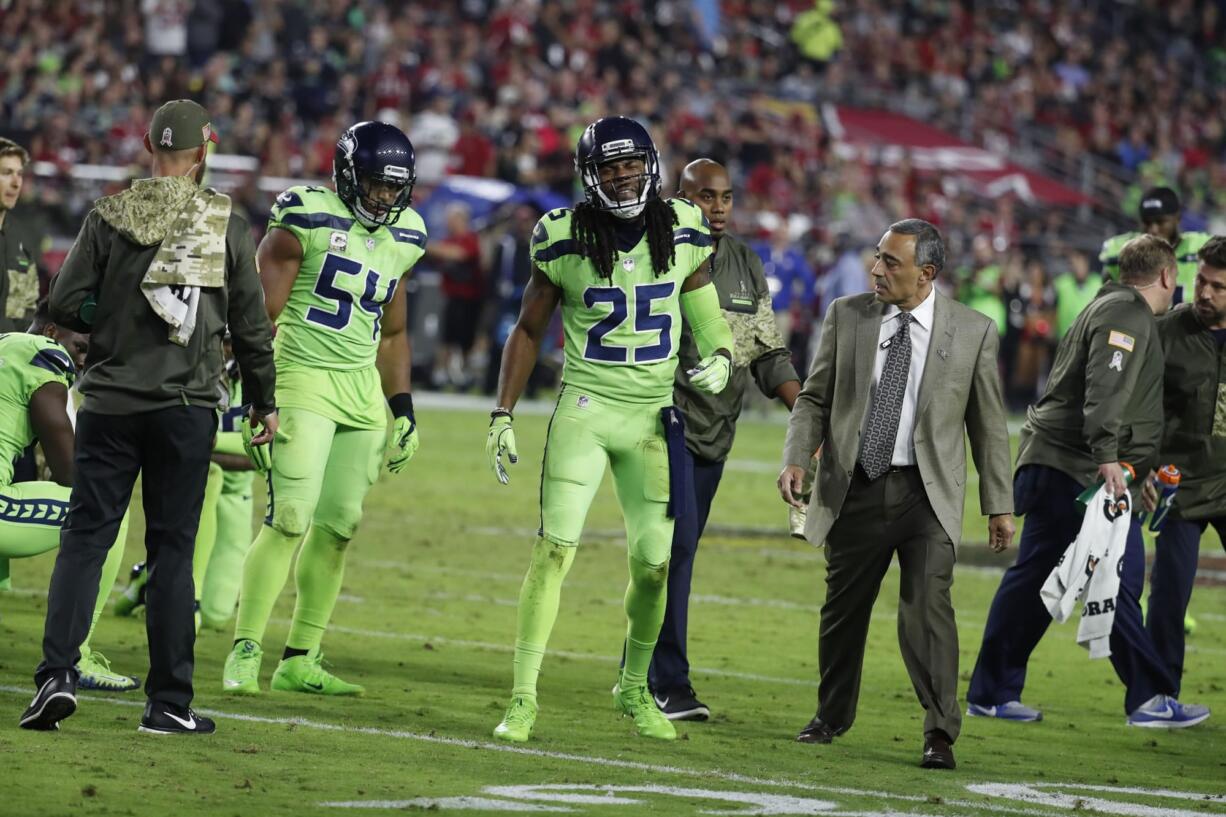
(960, 390)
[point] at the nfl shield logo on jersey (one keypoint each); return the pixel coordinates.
(628, 264)
(339, 241)
(370, 243)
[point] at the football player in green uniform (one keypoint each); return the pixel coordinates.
(331, 265)
(624, 265)
(1160, 211)
(37, 369)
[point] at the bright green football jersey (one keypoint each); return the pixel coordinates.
(1185, 259)
(348, 274)
(621, 335)
(27, 362)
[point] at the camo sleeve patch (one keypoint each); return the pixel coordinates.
(1219, 412)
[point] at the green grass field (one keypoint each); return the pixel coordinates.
(427, 622)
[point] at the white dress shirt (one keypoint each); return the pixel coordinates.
(921, 333)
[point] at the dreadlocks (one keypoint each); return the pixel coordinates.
(593, 231)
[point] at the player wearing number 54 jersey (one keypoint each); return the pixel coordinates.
(624, 265)
(331, 266)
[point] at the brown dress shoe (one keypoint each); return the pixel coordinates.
(938, 752)
(816, 732)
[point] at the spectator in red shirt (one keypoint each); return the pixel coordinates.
(458, 258)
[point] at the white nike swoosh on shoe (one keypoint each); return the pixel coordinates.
(1166, 713)
(661, 702)
(229, 684)
(190, 723)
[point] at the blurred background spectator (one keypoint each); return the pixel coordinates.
(1026, 130)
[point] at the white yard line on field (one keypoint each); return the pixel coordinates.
(589, 760)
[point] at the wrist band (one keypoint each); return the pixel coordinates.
(401, 405)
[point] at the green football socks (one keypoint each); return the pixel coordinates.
(319, 573)
(264, 574)
(538, 609)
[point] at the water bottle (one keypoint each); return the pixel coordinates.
(1084, 498)
(1167, 482)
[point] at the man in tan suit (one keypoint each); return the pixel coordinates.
(899, 374)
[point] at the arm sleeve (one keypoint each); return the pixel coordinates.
(988, 431)
(1112, 366)
(249, 325)
(706, 318)
(807, 426)
(74, 294)
(773, 365)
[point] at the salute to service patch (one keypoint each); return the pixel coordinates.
(1125, 342)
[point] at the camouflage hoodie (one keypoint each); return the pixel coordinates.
(132, 364)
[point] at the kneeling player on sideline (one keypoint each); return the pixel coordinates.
(37, 369)
(1194, 440)
(623, 264)
(330, 264)
(710, 419)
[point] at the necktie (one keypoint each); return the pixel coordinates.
(877, 446)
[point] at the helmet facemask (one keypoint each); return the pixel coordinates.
(649, 185)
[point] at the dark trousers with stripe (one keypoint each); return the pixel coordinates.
(1170, 586)
(1018, 619)
(670, 665)
(171, 448)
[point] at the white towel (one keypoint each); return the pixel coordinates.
(1089, 572)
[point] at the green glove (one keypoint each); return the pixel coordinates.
(711, 374)
(499, 441)
(260, 455)
(404, 444)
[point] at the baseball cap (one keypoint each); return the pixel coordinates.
(1158, 202)
(179, 125)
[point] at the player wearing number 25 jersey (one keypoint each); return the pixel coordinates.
(332, 266)
(624, 265)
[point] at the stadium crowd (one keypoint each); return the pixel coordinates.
(501, 89)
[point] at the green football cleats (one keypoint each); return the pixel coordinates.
(517, 724)
(95, 673)
(133, 596)
(636, 702)
(305, 673)
(241, 675)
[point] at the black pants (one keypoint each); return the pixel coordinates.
(670, 666)
(1018, 618)
(171, 447)
(1176, 554)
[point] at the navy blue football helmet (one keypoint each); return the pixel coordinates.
(374, 153)
(610, 138)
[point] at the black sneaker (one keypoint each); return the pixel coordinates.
(55, 700)
(681, 704)
(164, 719)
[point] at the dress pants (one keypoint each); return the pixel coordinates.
(879, 518)
(171, 448)
(1176, 553)
(1018, 618)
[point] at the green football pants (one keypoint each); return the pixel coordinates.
(233, 539)
(585, 434)
(31, 514)
(319, 478)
